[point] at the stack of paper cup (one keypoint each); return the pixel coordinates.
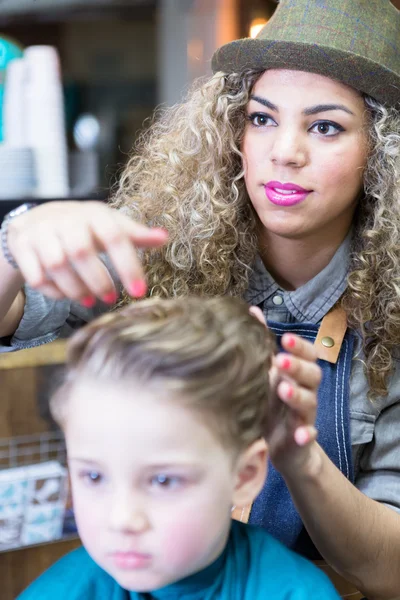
(14, 107)
(45, 121)
(9, 50)
(17, 168)
(17, 173)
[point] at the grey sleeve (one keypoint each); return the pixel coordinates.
(44, 320)
(379, 467)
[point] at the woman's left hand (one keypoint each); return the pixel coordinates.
(295, 378)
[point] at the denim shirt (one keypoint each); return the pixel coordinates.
(375, 425)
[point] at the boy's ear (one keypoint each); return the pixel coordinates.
(251, 473)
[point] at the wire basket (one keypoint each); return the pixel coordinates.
(33, 489)
(32, 449)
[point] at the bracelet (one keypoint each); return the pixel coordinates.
(4, 230)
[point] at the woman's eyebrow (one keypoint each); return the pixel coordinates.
(264, 102)
(312, 110)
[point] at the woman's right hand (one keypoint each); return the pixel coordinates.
(295, 377)
(56, 246)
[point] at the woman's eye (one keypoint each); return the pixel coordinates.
(327, 128)
(260, 119)
(166, 482)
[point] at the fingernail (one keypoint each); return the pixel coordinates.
(138, 288)
(110, 298)
(88, 301)
(291, 342)
(302, 437)
(285, 363)
(288, 390)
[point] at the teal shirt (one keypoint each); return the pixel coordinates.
(254, 566)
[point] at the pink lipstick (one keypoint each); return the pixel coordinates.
(285, 194)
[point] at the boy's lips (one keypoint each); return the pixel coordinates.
(285, 194)
(130, 560)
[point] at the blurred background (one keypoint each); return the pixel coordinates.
(79, 77)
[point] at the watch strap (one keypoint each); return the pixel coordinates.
(15, 212)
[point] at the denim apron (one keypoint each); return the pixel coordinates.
(273, 509)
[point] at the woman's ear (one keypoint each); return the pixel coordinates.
(251, 472)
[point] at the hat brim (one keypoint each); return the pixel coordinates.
(351, 69)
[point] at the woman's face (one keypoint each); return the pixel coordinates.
(305, 151)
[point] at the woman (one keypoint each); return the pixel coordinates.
(278, 179)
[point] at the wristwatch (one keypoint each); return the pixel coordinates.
(15, 212)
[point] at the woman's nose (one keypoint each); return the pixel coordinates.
(288, 148)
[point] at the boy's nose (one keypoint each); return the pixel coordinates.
(128, 515)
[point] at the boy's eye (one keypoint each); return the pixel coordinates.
(91, 477)
(327, 128)
(166, 482)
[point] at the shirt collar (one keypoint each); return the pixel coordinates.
(193, 584)
(310, 302)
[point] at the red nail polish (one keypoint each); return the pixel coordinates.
(289, 391)
(88, 301)
(291, 342)
(286, 363)
(138, 288)
(110, 298)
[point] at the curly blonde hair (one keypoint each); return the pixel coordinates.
(372, 300)
(179, 347)
(186, 175)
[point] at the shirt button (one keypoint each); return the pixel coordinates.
(277, 300)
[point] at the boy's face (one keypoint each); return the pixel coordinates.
(152, 486)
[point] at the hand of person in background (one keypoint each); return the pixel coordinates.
(56, 247)
(295, 378)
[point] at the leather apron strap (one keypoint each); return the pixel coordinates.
(328, 344)
(331, 334)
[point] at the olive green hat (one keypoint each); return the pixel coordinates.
(356, 42)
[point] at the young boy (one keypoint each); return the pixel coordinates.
(164, 407)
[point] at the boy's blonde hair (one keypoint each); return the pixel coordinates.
(210, 354)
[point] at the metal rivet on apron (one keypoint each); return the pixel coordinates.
(328, 342)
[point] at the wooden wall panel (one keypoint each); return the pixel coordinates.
(20, 567)
(25, 380)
